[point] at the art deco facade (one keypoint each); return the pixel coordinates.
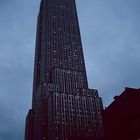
(63, 106)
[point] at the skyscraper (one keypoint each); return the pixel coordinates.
(63, 106)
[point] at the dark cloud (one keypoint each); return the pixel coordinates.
(17, 39)
(110, 34)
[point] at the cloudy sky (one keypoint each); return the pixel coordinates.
(110, 32)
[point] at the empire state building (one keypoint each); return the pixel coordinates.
(63, 107)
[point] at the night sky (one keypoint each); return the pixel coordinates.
(110, 31)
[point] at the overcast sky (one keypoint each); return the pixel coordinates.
(110, 32)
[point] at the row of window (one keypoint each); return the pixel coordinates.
(67, 112)
(69, 80)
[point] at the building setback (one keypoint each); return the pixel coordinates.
(63, 106)
(122, 117)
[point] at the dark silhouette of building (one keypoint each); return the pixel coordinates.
(29, 125)
(63, 106)
(122, 116)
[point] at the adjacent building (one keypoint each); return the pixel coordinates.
(63, 107)
(122, 116)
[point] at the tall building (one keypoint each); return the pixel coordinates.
(63, 106)
(122, 116)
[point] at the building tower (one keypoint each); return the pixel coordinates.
(63, 106)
